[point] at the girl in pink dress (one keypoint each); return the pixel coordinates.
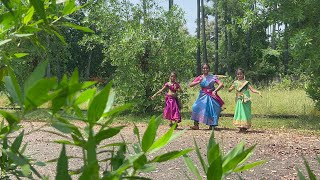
(171, 110)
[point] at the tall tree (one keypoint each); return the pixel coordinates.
(151, 45)
(198, 38)
(204, 38)
(216, 38)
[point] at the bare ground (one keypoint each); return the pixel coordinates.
(283, 150)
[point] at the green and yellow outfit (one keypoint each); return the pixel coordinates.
(242, 114)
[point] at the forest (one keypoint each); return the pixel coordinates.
(272, 40)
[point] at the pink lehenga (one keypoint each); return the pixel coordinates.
(171, 110)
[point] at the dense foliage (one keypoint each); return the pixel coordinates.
(139, 44)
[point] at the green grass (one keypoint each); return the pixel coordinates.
(272, 102)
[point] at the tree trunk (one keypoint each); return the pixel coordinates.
(48, 71)
(205, 58)
(198, 38)
(170, 4)
(248, 49)
(273, 34)
(87, 74)
(216, 40)
(286, 50)
(144, 61)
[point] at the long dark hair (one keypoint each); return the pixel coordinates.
(241, 70)
(206, 64)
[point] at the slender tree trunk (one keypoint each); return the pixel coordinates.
(144, 61)
(204, 39)
(286, 49)
(198, 38)
(170, 4)
(87, 75)
(226, 34)
(273, 35)
(48, 72)
(216, 40)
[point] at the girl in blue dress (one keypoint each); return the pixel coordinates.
(208, 105)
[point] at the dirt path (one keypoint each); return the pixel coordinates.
(282, 150)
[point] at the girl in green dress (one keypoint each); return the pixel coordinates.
(242, 114)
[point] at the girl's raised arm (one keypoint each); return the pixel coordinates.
(160, 91)
(254, 90)
(220, 85)
(231, 88)
(196, 81)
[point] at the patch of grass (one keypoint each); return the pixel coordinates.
(300, 124)
(272, 102)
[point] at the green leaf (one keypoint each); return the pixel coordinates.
(162, 141)
(98, 104)
(39, 163)
(26, 170)
(311, 175)
(66, 127)
(194, 170)
(110, 101)
(136, 148)
(150, 133)
(300, 175)
(74, 79)
(78, 111)
(213, 153)
(74, 26)
(170, 155)
(148, 168)
(39, 7)
(249, 166)
(61, 37)
(11, 119)
(234, 162)
(35, 76)
(107, 133)
(23, 149)
(28, 17)
(39, 93)
(140, 162)
(215, 169)
(116, 110)
(20, 161)
(62, 165)
(234, 152)
(5, 41)
(113, 144)
(64, 142)
(136, 132)
(203, 164)
(85, 96)
(69, 7)
(17, 142)
(118, 162)
(13, 88)
(63, 127)
(20, 55)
